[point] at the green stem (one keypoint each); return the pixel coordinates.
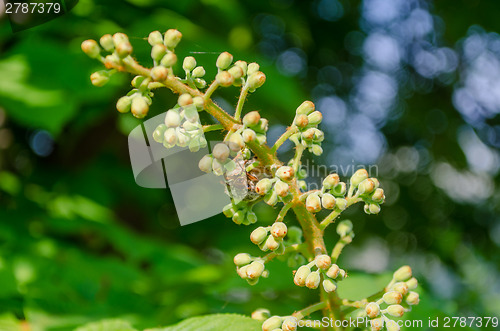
(213, 127)
(337, 249)
(284, 137)
(283, 211)
(299, 150)
(211, 89)
(334, 214)
(309, 310)
(241, 102)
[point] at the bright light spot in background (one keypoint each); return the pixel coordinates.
(419, 23)
(330, 10)
(373, 256)
(334, 110)
(375, 94)
(462, 186)
(291, 62)
(41, 143)
(383, 11)
(480, 157)
(431, 63)
(364, 140)
(382, 51)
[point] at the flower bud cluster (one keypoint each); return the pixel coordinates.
(270, 238)
(240, 213)
(253, 130)
(275, 189)
(238, 74)
(182, 127)
(194, 73)
(307, 120)
(137, 100)
(325, 269)
(250, 268)
(282, 323)
(368, 190)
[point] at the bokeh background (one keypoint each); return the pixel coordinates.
(410, 86)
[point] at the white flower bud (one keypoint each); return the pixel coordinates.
(315, 118)
(271, 198)
(323, 261)
(402, 274)
(224, 61)
(255, 269)
(123, 104)
(263, 186)
(159, 73)
(317, 150)
(392, 298)
(159, 132)
(329, 285)
(341, 203)
(301, 275)
(258, 235)
(170, 137)
(198, 72)
(377, 324)
(236, 72)
(172, 38)
(331, 181)
(122, 45)
(301, 120)
(155, 38)
(392, 326)
(139, 107)
(185, 99)
(279, 230)
(172, 118)
(305, 108)
(100, 78)
(344, 228)
(242, 259)
(252, 68)
(251, 119)
(200, 83)
(281, 188)
(359, 176)
(221, 152)
(158, 52)
(107, 43)
(169, 60)
(251, 217)
(285, 173)
(333, 272)
(272, 243)
(401, 288)
(205, 164)
(261, 314)
(243, 65)
(290, 324)
(272, 323)
(256, 80)
(412, 298)
(313, 280)
(313, 203)
(374, 208)
(249, 135)
(412, 283)
(372, 309)
(236, 140)
(91, 48)
(189, 63)
(328, 201)
(366, 187)
(378, 195)
(224, 79)
(395, 310)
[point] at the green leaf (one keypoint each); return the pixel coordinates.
(107, 325)
(215, 323)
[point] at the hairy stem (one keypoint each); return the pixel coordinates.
(281, 140)
(309, 310)
(241, 102)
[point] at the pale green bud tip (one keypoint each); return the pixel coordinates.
(122, 44)
(169, 60)
(330, 181)
(158, 51)
(301, 275)
(198, 102)
(224, 79)
(91, 48)
(341, 203)
(185, 100)
(189, 63)
(412, 298)
(281, 188)
(272, 323)
(224, 60)
(172, 38)
(256, 80)
(313, 280)
(401, 288)
(317, 150)
(359, 176)
(236, 72)
(255, 269)
(290, 324)
(258, 235)
(392, 298)
(344, 228)
(329, 285)
(198, 72)
(395, 310)
(221, 152)
(333, 272)
(403, 274)
(123, 104)
(315, 118)
(249, 135)
(272, 244)
(263, 186)
(159, 73)
(306, 108)
(252, 68)
(378, 195)
(412, 283)
(172, 118)
(139, 107)
(285, 173)
(301, 120)
(261, 314)
(251, 119)
(205, 165)
(313, 203)
(158, 133)
(372, 309)
(323, 261)
(328, 201)
(279, 230)
(366, 187)
(107, 43)
(137, 81)
(99, 78)
(243, 65)
(155, 38)
(242, 259)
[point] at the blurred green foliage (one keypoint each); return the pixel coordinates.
(81, 242)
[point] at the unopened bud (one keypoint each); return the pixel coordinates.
(242, 271)
(224, 61)
(328, 201)
(392, 298)
(366, 187)
(271, 198)
(279, 230)
(306, 108)
(172, 38)
(271, 243)
(312, 281)
(308, 134)
(402, 274)
(252, 68)
(243, 65)
(313, 203)
(200, 83)
(344, 228)
(412, 298)
(159, 73)
(315, 118)
(158, 133)
(139, 107)
(155, 38)
(100, 78)
(123, 104)
(221, 152)
(263, 186)
(251, 217)
(258, 235)
(251, 119)
(281, 188)
(198, 102)
(301, 120)
(185, 99)
(377, 324)
(122, 44)
(372, 309)
(189, 63)
(330, 181)
(256, 80)
(91, 48)
(359, 176)
(172, 118)
(392, 325)
(341, 203)
(205, 165)
(170, 137)
(236, 72)
(329, 285)
(242, 259)
(323, 261)
(333, 271)
(301, 275)
(290, 324)
(378, 195)
(198, 72)
(107, 43)
(272, 323)
(412, 283)
(158, 52)
(285, 173)
(255, 269)
(317, 150)
(374, 208)
(261, 314)
(395, 310)
(249, 135)
(224, 79)
(401, 288)
(169, 60)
